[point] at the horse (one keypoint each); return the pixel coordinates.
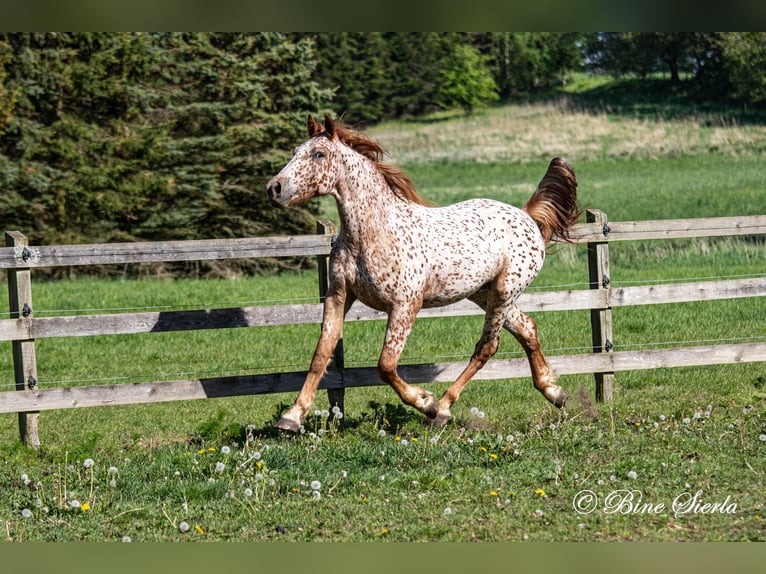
(398, 254)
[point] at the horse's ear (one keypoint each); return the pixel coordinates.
(314, 127)
(329, 126)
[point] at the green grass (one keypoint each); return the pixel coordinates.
(384, 475)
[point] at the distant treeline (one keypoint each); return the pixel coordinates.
(162, 136)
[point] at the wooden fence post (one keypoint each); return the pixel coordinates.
(600, 319)
(335, 396)
(24, 358)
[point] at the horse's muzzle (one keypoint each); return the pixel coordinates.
(274, 191)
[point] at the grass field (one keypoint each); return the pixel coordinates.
(679, 455)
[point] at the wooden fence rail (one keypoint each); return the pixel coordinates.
(22, 328)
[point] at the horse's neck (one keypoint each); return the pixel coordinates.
(365, 204)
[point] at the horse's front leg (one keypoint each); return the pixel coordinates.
(336, 304)
(400, 321)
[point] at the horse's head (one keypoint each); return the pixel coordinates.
(311, 172)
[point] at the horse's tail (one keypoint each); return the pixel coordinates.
(553, 205)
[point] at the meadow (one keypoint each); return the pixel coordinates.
(680, 454)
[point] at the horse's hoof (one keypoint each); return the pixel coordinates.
(427, 404)
(561, 399)
(288, 425)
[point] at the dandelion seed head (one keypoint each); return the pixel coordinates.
(662, 417)
(315, 485)
(88, 463)
(256, 456)
(447, 511)
(219, 467)
(74, 503)
(481, 414)
(183, 526)
(687, 420)
(335, 410)
(474, 411)
(26, 513)
(225, 450)
(127, 539)
(24, 478)
(338, 415)
(325, 413)
(113, 483)
(381, 433)
(632, 474)
(538, 512)
(248, 492)
(316, 495)
(762, 437)
(112, 470)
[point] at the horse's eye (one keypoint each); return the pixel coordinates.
(318, 155)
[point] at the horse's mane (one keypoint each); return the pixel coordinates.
(396, 179)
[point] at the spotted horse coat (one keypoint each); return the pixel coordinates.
(398, 255)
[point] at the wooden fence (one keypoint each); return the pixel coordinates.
(19, 259)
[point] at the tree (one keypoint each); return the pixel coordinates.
(465, 80)
(744, 55)
(117, 137)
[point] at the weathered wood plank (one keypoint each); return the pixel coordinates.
(671, 229)
(300, 314)
(151, 252)
(191, 389)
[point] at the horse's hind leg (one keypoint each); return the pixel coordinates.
(400, 322)
(495, 303)
(524, 329)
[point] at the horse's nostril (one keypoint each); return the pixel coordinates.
(276, 188)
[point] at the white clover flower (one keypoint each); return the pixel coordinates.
(447, 511)
(315, 485)
(26, 513)
(225, 450)
(88, 463)
(183, 526)
(632, 474)
(219, 467)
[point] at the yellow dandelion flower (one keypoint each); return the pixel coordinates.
(85, 506)
(201, 451)
(540, 492)
(398, 438)
(198, 528)
(414, 439)
(384, 531)
(493, 456)
(211, 449)
(493, 493)
(482, 449)
(638, 423)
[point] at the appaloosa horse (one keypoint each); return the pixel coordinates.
(398, 255)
